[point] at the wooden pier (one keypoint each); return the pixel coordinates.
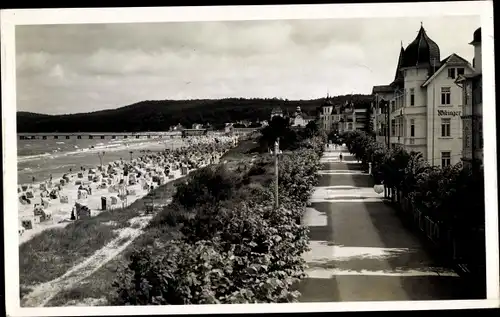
(98, 135)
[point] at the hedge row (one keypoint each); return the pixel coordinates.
(451, 197)
(236, 246)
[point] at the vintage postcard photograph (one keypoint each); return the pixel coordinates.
(322, 157)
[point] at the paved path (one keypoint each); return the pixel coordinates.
(360, 251)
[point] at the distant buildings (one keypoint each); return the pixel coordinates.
(297, 119)
(472, 110)
(177, 127)
(276, 112)
(342, 118)
(300, 119)
(421, 109)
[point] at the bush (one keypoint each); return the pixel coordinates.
(237, 247)
(452, 196)
(298, 174)
(207, 185)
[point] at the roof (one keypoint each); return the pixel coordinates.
(422, 51)
(452, 59)
(462, 78)
(476, 38)
(399, 74)
(381, 89)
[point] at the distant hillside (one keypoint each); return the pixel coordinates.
(159, 115)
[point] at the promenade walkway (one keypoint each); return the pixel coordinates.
(360, 250)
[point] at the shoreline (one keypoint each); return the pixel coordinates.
(57, 210)
(158, 147)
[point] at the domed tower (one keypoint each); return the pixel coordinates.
(421, 59)
(399, 77)
(422, 53)
(476, 42)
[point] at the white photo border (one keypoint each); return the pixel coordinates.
(11, 18)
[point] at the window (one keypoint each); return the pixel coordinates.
(412, 96)
(445, 95)
(460, 71)
(349, 126)
(393, 127)
(480, 134)
(393, 105)
(445, 159)
(467, 137)
(451, 73)
(445, 127)
(412, 127)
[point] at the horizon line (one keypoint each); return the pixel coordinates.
(196, 99)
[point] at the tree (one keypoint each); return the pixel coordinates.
(278, 128)
(311, 129)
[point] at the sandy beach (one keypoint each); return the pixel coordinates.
(51, 203)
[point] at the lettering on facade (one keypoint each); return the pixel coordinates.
(449, 113)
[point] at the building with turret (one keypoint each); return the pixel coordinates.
(276, 112)
(421, 108)
(299, 118)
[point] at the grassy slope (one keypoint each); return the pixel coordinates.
(99, 284)
(53, 252)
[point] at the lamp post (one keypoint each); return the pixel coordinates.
(276, 170)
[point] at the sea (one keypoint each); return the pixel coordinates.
(40, 159)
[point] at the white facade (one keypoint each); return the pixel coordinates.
(326, 117)
(426, 114)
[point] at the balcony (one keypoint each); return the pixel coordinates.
(408, 141)
(414, 141)
(414, 110)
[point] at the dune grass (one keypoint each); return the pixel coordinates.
(99, 284)
(53, 252)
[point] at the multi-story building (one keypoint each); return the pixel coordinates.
(276, 112)
(300, 119)
(472, 109)
(327, 116)
(342, 118)
(424, 105)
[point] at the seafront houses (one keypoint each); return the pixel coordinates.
(327, 116)
(342, 118)
(423, 105)
(472, 110)
(276, 112)
(300, 119)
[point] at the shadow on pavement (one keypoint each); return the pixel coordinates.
(343, 288)
(357, 180)
(318, 290)
(363, 224)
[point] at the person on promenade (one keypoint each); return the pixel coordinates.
(340, 157)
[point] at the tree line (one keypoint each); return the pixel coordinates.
(160, 115)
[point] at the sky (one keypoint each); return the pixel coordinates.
(89, 67)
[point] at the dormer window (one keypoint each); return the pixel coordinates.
(460, 71)
(451, 73)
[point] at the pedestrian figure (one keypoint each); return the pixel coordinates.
(340, 157)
